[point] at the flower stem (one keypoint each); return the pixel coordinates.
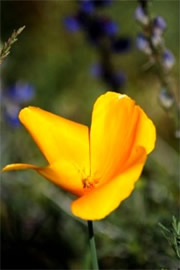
(92, 246)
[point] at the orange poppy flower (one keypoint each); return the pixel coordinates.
(101, 164)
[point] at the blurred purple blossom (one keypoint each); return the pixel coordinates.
(96, 70)
(11, 111)
(151, 42)
(20, 92)
(90, 5)
(87, 6)
(101, 32)
(14, 97)
(114, 79)
(140, 16)
(166, 98)
(168, 59)
(110, 28)
(159, 25)
(71, 24)
(142, 44)
(100, 27)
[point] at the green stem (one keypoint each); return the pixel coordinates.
(92, 245)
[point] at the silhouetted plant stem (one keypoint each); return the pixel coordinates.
(7, 45)
(92, 246)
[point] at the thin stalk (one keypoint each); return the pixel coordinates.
(163, 74)
(92, 246)
(7, 45)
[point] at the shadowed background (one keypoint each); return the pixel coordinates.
(55, 66)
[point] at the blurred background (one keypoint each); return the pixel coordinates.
(69, 53)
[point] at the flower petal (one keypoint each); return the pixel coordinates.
(57, 137)
(146, 132)
(19, 166)
(113, 129)
(101, 201)
(118, 125)
(63, 173)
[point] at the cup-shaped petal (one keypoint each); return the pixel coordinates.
(118, 125)
(145, 132)
(57, 137)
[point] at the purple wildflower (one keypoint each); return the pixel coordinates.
(140, 16)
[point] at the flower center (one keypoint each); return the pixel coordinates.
(88, 184)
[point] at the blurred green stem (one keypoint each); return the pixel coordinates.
(92, 246)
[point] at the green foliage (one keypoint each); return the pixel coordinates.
(172, 234)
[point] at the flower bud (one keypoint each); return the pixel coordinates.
(140, 16)
(142, 44)
(166, 99)
(168, 59)
(159, 25)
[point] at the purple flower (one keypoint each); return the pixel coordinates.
(13, 99)
(11, 112)
(96, 70)
(71, 23)
(115, 80)
(87, 6)
(110, 27)
(168, 59)
(159, 25)
(100, 27)
(166, 98)
(121, 45)
(140, 16)
(102, 32)
(20, 92)
(142, 44)
(118, 79)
